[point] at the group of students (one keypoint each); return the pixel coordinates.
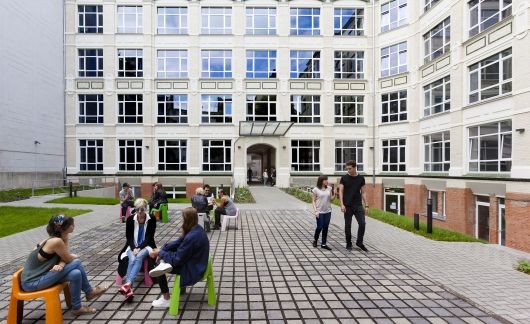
(204, 201)
(51, 262)
(126, 195)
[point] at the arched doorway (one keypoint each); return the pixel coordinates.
(260, 157)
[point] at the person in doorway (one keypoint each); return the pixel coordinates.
(225, 207)
(126, 198)
(265, 177)
(51, 263)
(186, 256)
(321, 201)
(273, 177)
(353, 202)
(140, 240)
(249, 175)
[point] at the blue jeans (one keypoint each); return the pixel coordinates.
(135, 263)
(74, 272)
(322, 226)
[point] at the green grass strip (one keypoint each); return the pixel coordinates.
(18, 219)
(85, 201)
(179, 200)
(403, 222)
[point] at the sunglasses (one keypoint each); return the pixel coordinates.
(141, 210)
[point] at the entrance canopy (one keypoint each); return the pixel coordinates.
(264, 128)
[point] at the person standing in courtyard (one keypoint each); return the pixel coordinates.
(352, 202)
(265, 177)
(249, 175)
(322, 197)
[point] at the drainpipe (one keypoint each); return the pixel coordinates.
(65, 172)
(232, 189)
(373, 93)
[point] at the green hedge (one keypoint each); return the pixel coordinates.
(243, 196)
(85, 200)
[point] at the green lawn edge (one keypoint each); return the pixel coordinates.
(399, 221)
(14, 219)
(244, 196)
(84, 201)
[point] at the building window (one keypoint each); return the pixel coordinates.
(348, 21)
(305, 64)
(216, 21)
(486, 13)
(216, 64)
(394, 59)
(90, 62)
(394, 106)
(216, 109)
(438, 204)
(490, 147)
(393, 14)
(172, 155)
(91, 155)
(349, 65)
(305, 21)
(394, 155)
(216, 155)
(261, 64)
(346, 150)
(130, 109)
(437, 97)
(491, 77)
(172, 64)
(437, 152)
(172, 109)
(305, 109)
(130, 155)
(429, 4)
(261, 108)
(90, 108)
(261, 21)
(172, 20)
(90, 19)
(305, 155)
(130, 63)
(349, 109)
(130, 19)
(437, 40)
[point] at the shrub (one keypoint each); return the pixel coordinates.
(243, 196)
(524, 266)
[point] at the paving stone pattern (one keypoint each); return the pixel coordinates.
(266, 272)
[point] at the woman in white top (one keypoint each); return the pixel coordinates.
(265, 177)
(322, 196)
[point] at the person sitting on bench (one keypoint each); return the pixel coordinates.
(51, 263)
(126, 198)
(187, 256)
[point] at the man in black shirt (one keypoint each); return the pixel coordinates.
(352, 199)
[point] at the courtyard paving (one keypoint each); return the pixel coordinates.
(268, 272)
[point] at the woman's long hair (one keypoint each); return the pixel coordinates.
(189, 219)
(160, 187)
(58, 224)
(320, 181)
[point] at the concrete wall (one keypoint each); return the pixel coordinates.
(31, 89)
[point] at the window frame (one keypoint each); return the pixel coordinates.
(121, 21)
(429, 106)
(310, 166)
(340, 118)
(401, 7)
(206, 25)
(162, 149)
(435, 206)
(121, 111)
(402, 114)
(443, 28)
(210, 55)
(136, 146)
(428, 4)
(82, 58)
(295, 14)
(269, 102)
(478, 69)
(206, 109)
(124, 55)
(314, 102)
(400, 147)
(501, 138)
(358, 18)
(345, 59)
(90, 144)
(429, 164)
(387, 52)
(162, 17)
(504, 11)
(82, 28)
(250, 17)
(171, 100)
(82, 101)
(227, 155)
(181, 61)
(251, 59)
(296, 58)
(341, 158)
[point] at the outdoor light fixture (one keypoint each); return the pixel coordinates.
(284, 147)
(37, 142)
(147, 146)
(520, 130)
(239, 147)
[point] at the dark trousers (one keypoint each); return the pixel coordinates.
(358, 211)
(322, 226)
(124, 205)
(218, 212)
(162, 280)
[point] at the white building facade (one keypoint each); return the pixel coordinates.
(421, 94)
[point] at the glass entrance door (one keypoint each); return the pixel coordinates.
(482, 227)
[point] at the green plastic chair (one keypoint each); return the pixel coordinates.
(175, 296)
(163, 209)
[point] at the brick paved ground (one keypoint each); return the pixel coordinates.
(268, 272)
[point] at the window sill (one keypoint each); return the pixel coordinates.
(394, 123)
(350, 79)
(393, 29)
(435, 115)
(478, 103)
(471, 39)
(216, 124)
(382, 79)
(488, 175)
(350, 125)
(393, 173)
(435, 174)
(305, 173)
(262, 79)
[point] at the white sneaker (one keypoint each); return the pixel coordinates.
(161, 269)
(160, 303)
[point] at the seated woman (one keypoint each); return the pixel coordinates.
(225, 207)
(140, 240)
(126, 199)
(51, 263)
(199, 201)
(158, 197)
(186, 256)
